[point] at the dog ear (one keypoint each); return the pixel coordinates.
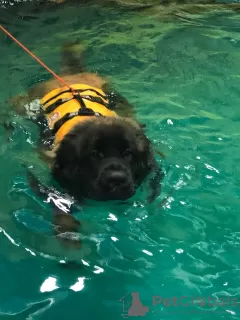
(155, 171)
(154, 183)
(66, 159)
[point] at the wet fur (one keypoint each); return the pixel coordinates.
(77, 170)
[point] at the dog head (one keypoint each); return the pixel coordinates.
(104, 159)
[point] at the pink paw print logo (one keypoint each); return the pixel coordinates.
(133, 307)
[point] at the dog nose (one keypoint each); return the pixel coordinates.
(116, 178)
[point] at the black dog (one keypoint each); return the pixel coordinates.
(106, 159)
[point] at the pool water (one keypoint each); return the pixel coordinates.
(183, 78)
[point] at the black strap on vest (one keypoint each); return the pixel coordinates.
(69, 116)
(82, 111)
(78, 96)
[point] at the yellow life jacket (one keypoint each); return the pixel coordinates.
(63, 110)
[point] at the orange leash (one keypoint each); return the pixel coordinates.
(37, 59)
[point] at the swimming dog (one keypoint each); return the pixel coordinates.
(89, 136)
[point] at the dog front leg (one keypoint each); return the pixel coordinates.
(16, 106)
(17, 103)
(66, 226)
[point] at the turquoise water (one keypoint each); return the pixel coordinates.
(183, 78)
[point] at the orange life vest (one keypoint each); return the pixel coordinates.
(63, 110)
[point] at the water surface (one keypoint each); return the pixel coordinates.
(183, 78)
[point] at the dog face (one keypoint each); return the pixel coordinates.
(103, 159)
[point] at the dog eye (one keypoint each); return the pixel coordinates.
(97, 154)
(127, 153)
